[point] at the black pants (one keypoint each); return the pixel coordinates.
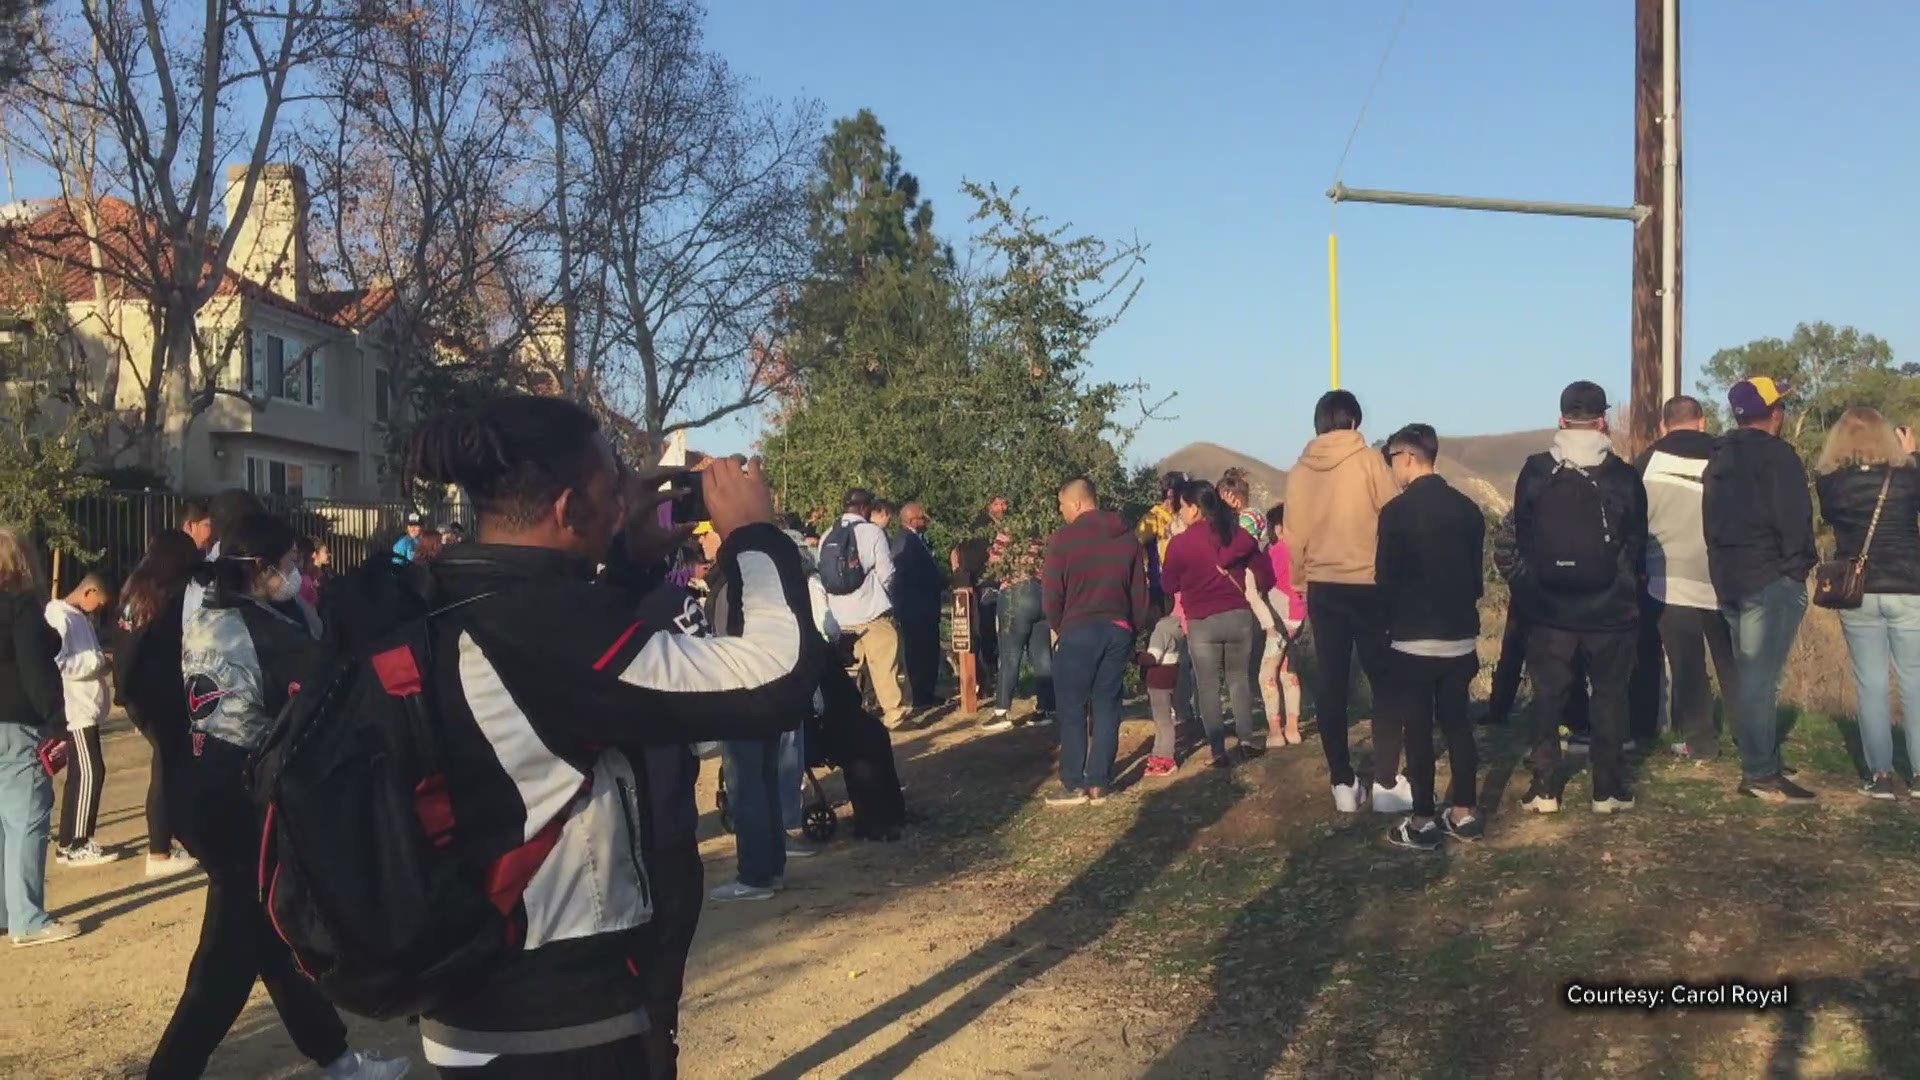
(920, 651)
(1689, 634)
(1420, 692)
(622, 1060)
(679, 888)
(237, 942)
(159, 826)
(86, 775)
(1512, 667)
(1345, 618)
(1554, 657)
(1643, 693)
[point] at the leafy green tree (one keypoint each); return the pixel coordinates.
(42, 432)
(1830, 369)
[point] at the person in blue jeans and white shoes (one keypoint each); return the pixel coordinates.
(1869, 489)
(1094, 594)
(1759, 521)
(31, 709)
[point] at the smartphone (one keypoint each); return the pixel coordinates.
(691, 507)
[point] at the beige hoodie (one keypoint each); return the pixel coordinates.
(1334, 496)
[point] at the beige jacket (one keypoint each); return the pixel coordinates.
(1334, 496)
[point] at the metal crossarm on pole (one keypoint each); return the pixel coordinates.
(1636, 213)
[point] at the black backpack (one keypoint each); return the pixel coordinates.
(840, 571)
(358, 866)
(1575, 548)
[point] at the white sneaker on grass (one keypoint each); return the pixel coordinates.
(1347, 798)
(734, 891)
(367, 1065)
(1397, 799)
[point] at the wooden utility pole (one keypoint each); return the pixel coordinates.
(1656, 242)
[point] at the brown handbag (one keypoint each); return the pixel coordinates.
(1841, 584)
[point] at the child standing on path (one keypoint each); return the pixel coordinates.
(85, 681)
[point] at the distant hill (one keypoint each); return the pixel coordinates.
(1482, 466)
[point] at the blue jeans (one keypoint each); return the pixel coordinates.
(753, 795)
(1023, 628)
(1764, 626)
(793, 762)
(1090, 666)
(1885, 628)
(26, 813)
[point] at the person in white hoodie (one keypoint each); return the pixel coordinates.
(85, 679)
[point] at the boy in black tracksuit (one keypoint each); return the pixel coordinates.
(1428, 570)
(1580, 518)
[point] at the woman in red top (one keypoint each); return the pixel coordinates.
(1208, 566)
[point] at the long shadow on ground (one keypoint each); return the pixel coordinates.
(1078, 915)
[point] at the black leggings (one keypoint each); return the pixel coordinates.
(237, 942)
(159, 827)
(86, 775)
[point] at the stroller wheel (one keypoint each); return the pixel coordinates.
(818, 822)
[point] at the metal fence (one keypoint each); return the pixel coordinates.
(118, 526)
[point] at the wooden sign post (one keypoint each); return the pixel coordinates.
(962, 618)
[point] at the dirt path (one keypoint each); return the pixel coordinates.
(1218, 925)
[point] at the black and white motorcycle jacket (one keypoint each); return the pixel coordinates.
(549, 687)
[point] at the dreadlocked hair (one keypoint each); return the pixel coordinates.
(514, 455)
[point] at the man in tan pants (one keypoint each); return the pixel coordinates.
(866, 612)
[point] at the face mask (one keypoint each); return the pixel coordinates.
(289, 586)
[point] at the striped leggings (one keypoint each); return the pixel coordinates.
(86, 775)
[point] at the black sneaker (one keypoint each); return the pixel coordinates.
(1246, 752)
(1540, 799)
(1775, 789)
(1472, 829)
(1424, 838)
(1880, 787)
(1221, 761)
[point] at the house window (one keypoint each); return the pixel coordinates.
(382, 395)
(272, 476)
(285, 370)
(276, 366)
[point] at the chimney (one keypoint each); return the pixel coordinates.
(271, 249)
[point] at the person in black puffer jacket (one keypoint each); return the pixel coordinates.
(1864, 456)
(32, 708)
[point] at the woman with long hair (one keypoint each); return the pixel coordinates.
(31, 710)
(1207, 567)
(242, 650)
(1869, 491)
(145, 659)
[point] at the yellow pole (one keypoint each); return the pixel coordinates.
(1333, 304)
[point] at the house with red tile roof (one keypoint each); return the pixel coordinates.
(303, 396)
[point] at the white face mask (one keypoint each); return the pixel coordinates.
(289, 586)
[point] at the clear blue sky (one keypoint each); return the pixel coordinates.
(1212, 130)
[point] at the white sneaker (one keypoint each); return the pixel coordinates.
(1397, 799)
(1348, 797)
(46, 935)
(734, 891)
(367, 1065)
(179, 862)
(89, 854)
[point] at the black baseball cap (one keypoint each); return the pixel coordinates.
(1583, 401)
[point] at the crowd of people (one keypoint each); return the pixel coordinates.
(579, 671)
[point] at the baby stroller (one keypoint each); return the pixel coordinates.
(844, 735)
(818, 822)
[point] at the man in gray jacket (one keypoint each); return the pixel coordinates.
(1680, 591)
